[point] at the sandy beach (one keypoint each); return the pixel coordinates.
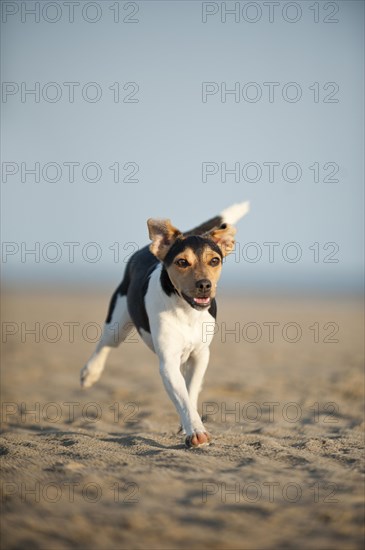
(104, 468)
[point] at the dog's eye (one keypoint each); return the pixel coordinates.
(214, 262)
(182, 263)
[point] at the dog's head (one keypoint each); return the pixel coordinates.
(193, 263)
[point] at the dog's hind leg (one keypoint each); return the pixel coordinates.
(117, 327)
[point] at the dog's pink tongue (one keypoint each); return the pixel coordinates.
(202, 300)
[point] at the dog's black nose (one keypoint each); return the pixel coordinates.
(204, 285)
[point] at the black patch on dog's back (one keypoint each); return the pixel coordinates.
(134, 286)
(120, 291)
(205, 227)
(141, 265)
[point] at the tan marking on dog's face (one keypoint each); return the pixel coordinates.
(194, 263)
(189, 267)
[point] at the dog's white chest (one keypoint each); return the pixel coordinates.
(175, 325)
(184, 334)
(186, 338)
(194, 335)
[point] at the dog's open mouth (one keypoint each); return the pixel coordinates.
(202, 301)
(198, 302)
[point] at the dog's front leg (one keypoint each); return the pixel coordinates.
(196, 434)
(197, 365)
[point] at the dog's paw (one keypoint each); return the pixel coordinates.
(181, 430)
(89, 376)
(197, 439)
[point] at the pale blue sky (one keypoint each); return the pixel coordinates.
(170, 132)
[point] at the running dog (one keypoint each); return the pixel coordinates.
(168, 294)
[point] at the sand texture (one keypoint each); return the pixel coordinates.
(104, 468)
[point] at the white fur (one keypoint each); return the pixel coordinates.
(177, 335)
(147, 338)
(235, 212)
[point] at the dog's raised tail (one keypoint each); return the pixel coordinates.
(235, 212)
(229, 215)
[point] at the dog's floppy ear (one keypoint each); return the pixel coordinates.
(223, 236)
(162, 235)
